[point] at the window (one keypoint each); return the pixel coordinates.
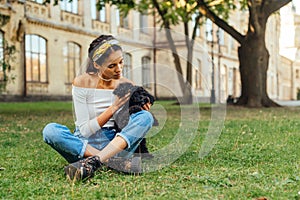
(38, 1)
(297, 73)
(209, 30)
(193, 24)
(117, 17)
(72, 55)
(1, 54)
(36, 60)
(96, 14)
(231, 43)
(68, 6)
(121, 20)
(124, 22)
(127, 66)
(198, 75)
(144, 23)
(1, 47)
(197, 79)
(234, 82)
(220, 33)
(146, 72)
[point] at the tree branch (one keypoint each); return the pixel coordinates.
(204, 10)
(161, 13)
(253, 8)
(270, 6)
(197, 18)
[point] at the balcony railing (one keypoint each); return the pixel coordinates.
(72, 19)
(145, 38)
(35, 10)
(101, 26)
(126, 33)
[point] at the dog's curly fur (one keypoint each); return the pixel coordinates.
(138, 98)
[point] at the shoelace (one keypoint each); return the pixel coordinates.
(91, 164)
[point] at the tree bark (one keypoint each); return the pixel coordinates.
(254, 60)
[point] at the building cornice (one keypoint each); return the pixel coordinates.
(63, 27)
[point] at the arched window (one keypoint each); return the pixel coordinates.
(36, 59)
(72, 61)
(127, 66)
(146, 69)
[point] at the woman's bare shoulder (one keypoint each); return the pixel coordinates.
(126, 80)
(85, 80)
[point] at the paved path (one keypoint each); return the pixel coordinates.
(288, 103)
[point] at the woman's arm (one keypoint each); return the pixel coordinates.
(109, 112)
(86, 125)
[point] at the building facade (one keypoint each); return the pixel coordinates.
(289, 42)
(51, 47)
(52, 41)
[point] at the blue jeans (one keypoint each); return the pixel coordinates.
(72, 146)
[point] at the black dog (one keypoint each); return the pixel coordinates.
(138, 98)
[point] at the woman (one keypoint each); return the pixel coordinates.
(95, 140)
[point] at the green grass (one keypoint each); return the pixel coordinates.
(257, 155)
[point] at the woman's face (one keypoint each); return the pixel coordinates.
(113, 65)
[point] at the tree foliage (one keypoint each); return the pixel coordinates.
(6, 57)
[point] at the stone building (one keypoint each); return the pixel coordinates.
(52, 41)
(289, 68)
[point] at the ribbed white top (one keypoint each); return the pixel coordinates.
(88, 104)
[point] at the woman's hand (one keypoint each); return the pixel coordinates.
(108, 113)
(147, 106)
(119, 102)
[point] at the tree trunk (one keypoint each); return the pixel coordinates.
(187, 97)
(253, 55)
(254, 61)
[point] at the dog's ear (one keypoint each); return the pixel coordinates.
(150, 98)
(140, 97)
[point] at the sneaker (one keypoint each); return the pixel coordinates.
(147, 156)
(83, 169)
(127, 165)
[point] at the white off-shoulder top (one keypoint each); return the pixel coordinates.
(88, 104)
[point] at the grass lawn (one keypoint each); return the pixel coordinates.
(257, 155)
